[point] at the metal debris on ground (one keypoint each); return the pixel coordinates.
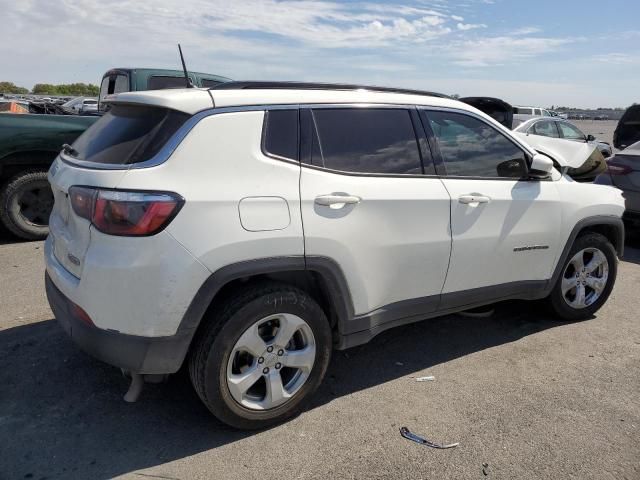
(485, 469)
(404, 431)
(429, 378)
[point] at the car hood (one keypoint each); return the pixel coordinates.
(566, 153)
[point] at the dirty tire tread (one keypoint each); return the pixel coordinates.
(555, 301)
(13, 185)
(208, 334)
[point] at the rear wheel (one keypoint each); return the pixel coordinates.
(261, 356)
(587, 278)
(26, 202)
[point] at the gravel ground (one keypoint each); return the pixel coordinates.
(529, 397)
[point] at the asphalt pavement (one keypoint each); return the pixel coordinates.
(526, 396)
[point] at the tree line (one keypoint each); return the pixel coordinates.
(65, 89)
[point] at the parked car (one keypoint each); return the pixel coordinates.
(558, 128)
(582, 161)
(522, 114)
(30, 143)
(187, 245)
(81, 104)
(628, 130)
(623, 172)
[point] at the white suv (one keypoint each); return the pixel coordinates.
(250, 229)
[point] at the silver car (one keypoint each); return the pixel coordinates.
(558, 128)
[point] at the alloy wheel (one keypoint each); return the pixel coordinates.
(271, 361)
(585, 278)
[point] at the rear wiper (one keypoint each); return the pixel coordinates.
(68, 149)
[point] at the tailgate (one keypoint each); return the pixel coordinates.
(69, 233)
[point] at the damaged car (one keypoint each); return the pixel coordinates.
(573, 153)
(628, 130)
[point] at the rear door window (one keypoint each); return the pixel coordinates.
(128, 134)
(546, 128)
(208, 83)
(365, 140)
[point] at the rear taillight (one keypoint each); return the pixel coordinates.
(617, 169)
(118, 212)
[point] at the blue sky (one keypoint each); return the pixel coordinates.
(578, 53)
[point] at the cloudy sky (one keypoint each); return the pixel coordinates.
(571, 52)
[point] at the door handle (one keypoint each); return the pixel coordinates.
(467, 199)
(331, 200)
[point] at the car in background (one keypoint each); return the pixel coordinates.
(81, 105)
(522, 114)
(628, 130)
(623, 172)
(556, 127)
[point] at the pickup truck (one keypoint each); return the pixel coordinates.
(30, 142)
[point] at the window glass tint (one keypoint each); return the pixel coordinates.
(128, 134)
(471, 148)
(546, 128)
(281, 133)
(366, 140)
(570, 132)
(523, 111)
(158, 82)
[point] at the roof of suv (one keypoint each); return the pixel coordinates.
(193, 100)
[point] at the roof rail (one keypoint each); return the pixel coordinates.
(261, 85)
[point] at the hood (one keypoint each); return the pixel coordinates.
(581, 161)
(497, 109)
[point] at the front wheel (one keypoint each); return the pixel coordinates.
(261, 356)
(587, 278)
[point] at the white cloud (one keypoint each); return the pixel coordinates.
(484, 52)
(470, 26)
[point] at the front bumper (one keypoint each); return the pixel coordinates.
(129, 352)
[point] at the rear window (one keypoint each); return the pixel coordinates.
(128, 134)
(158, 82)
(523, 111)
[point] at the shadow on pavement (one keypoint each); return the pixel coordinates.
(62, 413)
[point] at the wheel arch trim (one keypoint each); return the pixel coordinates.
(609, 221)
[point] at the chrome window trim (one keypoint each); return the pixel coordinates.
(167, 150)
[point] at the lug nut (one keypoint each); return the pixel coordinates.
(278, 366)
(261, 360)
(280, 352)
(269, 349)
(265, 370)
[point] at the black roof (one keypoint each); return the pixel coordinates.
(257, 85)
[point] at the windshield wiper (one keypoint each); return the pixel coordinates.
(69, 150)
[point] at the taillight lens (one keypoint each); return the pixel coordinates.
(125, 213)
(617, 169)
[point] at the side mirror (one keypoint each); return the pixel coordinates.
(511, 169)
(591, 138)
(541, 166)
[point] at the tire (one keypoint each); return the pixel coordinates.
(567, 305)
(26, 202)
(216, 354)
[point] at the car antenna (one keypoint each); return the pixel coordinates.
(184, 69)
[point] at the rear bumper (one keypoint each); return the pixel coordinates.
(130, 352)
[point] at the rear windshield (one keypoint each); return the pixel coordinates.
(127, 134)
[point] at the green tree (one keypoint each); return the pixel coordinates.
(10, 87)
(44, 89)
